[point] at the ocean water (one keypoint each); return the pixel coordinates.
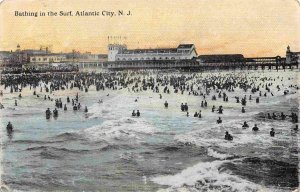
(163, 150)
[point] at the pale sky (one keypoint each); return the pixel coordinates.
(249, 27)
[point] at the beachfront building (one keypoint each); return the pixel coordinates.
(117, 52)
(221, 60)
(45, 59)
(292, 57)
(5, 58)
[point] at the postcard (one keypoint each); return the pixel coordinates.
(149, 95)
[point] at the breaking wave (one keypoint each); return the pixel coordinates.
(217, 155)
(207, 176)
(121, 129)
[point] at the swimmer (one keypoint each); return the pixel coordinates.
(228, 136)
(272, 132)
(245, 125)
(219, 120)
(255, 128)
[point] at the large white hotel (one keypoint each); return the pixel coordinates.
(118, 52)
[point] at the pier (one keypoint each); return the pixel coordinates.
(269, 63)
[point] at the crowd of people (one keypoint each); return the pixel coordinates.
(45, 69)
(216, 86)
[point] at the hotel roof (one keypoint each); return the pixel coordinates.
(49, 54)
(159, 50)
(185, 46)
(168, 50)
